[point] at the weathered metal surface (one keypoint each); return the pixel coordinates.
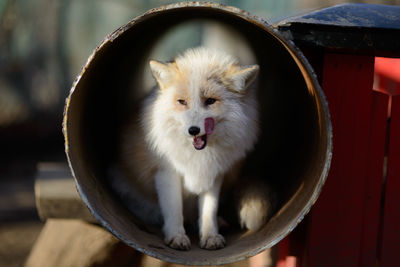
(295, 147)
(353, 15)
(359, 28)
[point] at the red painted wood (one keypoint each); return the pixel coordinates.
(291, 261)
(292, 248)
(285, 258)
(387, 77)
(387, 71)
(298, 241)
(336, 219)
(391, 218)
(372, 198)
(283, 250)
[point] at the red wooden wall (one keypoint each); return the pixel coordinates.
(356, 220)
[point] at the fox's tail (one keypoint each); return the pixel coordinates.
(256, 203)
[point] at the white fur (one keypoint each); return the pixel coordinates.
(181, 169)
(234, 135)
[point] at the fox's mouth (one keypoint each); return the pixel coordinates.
(200, 142)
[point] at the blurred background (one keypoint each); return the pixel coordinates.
(43, 45)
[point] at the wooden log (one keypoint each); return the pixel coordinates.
(56, 195)
(74, 243)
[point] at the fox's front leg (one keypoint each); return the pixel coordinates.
(169, 190)
(208, 207)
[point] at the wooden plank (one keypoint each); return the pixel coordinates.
(65, 243)
(336, 218)
(56, 195)
(391, 219)
(370, 226)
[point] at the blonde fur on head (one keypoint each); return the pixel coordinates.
(217, 63)
(193, 131)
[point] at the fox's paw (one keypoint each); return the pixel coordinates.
(179, 241)
(212, 242)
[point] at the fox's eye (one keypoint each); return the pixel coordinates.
(182, 102)
(210, 101)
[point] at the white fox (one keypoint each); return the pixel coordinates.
(191, 136)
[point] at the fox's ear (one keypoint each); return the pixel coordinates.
(164, 73)
(243, 77)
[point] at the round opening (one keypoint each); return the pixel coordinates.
(293, 152)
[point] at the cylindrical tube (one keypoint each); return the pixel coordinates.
(295, 145)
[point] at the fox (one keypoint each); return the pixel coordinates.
(191, 136)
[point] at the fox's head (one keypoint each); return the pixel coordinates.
(204, 92)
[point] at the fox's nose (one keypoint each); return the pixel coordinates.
(194, 130)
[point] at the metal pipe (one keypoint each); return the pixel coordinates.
(294, 151)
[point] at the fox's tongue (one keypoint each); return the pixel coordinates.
(209, 125)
